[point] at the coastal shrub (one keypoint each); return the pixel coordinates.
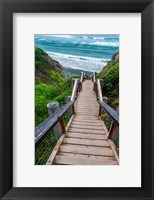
(46, 93)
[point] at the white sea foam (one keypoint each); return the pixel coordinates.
(111, 44)
(61, 36)
(79, 62)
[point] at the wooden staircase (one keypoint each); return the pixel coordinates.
(86, 139)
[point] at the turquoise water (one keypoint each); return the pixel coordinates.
(85, 52)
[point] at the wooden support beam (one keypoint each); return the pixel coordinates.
(74, 92)
(52, 108)
(70, 110)
(99, 91)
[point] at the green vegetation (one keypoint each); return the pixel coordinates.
(46, 93)
(50, 84)
(110, 76)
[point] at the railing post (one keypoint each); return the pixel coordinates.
(73, 81)
(114, 133)
(70, 110)
(59, 128)
(95, 86)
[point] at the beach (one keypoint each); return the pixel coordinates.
(79, 52)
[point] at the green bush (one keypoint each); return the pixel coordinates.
(110, 76)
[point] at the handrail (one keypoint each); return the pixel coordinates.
(74, 92)
(112, 113)
(99, 91)
(94, 77)
(81, 77)
(43, 129)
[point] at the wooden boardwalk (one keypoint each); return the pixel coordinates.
(86, 140)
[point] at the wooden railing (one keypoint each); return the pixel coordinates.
(44, 128)
(54, 124)
(114, 127)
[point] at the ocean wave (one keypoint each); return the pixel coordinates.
(69, 56)
(111, 44)
(79, 62)
(61, 36)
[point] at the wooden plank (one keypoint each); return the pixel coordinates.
(69, 123)
(86, 120)
(86, 123)
(86, 117)
(114, 149)
(55, 150)
(87, 114)
(87, 109)
(104, 126)
(76, 160)
(86, 135)
(99, 90)
(80, 141)
(81, 126)
(78, 130)
(88, 150)
(105, 158)
(74, 90)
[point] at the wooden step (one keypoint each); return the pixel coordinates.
(81, 141)
(92, 127)
(86, 135)
(75, 159)
(88, 150)
(78, 130)
(86, 123)
(86, 120)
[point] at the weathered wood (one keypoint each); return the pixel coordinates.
(86, 117)
(69, 123)
(86, 136)
(112, 113)
(55, 150)
(114, 132)
(86, 123)
(87, 114)
(74, 92)
(59, 128)
(94, 77)
(86, 139)
(79, 130)
(79, 160)
(82, 126)
(114, 149)
(84, 120)
(99, 90)
(45, 127)
(81, 141)
(70, 110)
(62, 125)
(102, 158)
(104, 127)
(87, 150)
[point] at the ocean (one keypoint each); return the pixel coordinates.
(83, 52)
